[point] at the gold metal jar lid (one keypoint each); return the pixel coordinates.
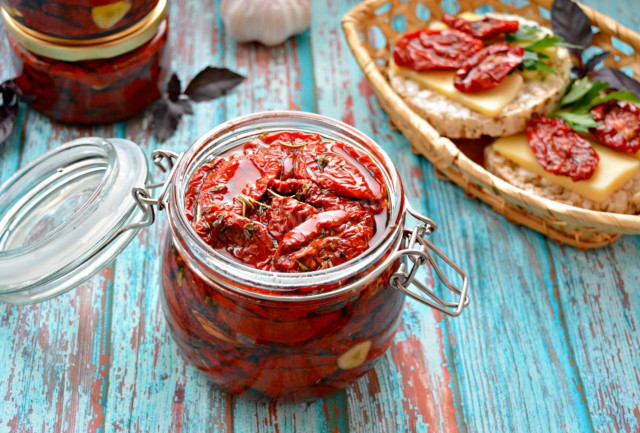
(74, 50)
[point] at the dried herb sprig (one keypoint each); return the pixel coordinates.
(208, 84)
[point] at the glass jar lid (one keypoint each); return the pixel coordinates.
(63, 216)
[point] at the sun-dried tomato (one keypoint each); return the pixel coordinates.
(348, 173)
(249, 201)
(560, 150)
(286, 213)
(428, 49)
(487, 68)
(309, 192)
(485, 28)
(282, 146)
(325, 240)
(244, 239)
(276, 350)
(620, 128)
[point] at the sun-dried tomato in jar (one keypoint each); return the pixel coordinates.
(280, 270)
(72, 19)
(89, 84)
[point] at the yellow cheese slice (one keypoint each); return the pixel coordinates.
(489, 102)
(437, 25)
(470, 16)
(613, 171)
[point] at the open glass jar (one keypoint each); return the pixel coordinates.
(254, 332)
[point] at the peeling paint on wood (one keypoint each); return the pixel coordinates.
(550, 343)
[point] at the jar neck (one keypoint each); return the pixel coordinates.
(218, 267)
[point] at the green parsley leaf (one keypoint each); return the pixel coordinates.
(549, 41)
(535, 64)
(597, 88)
(576, 90)
(618, 95)
(525, 33)
(578, 122)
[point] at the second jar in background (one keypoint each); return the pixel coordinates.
(78, 20)
(98, 82)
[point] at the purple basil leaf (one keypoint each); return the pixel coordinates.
(10, 93)
(166, 117)
(595, 61)
(8, 115)
(186, 106)
(617, 80)
(174, 87)
(9, 109)
(212, 83)
(572, 24)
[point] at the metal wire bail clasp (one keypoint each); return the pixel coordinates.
(165, 160)
(402, 280)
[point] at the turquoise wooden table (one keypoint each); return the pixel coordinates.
(551, 341)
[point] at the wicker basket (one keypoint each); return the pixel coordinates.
(374, 26)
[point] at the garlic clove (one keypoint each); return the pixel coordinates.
(108, 15)
(354, 356)
(268, 22)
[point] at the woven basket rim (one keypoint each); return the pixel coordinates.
(448, 151)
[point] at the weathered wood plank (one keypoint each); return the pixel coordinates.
(551, 342)
(602, 324)
(514, 365)
(412, 388)
(152, 388)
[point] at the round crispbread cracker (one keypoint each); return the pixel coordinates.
(454, 120)
(626, 200)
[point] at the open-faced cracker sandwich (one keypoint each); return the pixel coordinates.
(475, 75)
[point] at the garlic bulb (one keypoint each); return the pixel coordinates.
(270, 22)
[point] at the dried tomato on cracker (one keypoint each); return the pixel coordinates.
(560, 150)
(488, 67)
(620, 128)
(427, 49)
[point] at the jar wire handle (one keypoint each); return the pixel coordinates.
(424, 253)
(143, 195)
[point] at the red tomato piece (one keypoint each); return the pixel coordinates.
(560, 150)
(325, 240)
(291, 139)
(344, 174)
(283, 147)
(620, 127)
(243, 239)
(486, 28)
(195, 185)
(307, 191)
(285, 214)
(241, 174)
(488, 67)
(427, 49)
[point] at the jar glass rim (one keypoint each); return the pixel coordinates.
(239, 130)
